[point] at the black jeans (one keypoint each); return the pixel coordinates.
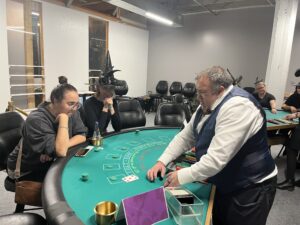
(249, 206)
(37, 175)
(292, 152)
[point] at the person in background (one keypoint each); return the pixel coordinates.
(228, 131)
(48, 133)
(292, 104)
(102, 107)
(62, 80)
(265, 99)
(292, 149)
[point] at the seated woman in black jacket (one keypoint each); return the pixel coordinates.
(102, 108)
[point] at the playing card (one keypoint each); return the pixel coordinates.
(130, 178)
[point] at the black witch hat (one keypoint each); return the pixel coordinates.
(108, 75)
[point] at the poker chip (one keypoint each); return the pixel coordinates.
(84, 176)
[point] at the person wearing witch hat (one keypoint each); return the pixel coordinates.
(102, 107)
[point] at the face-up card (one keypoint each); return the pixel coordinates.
(130, 178)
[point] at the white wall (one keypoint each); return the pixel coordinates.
(66, 46)
(294, 63)
(66, 50)
(4, 73)
(238, 40)
(128, 48)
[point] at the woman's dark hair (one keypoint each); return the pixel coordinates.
(62, 80)
(59, 92)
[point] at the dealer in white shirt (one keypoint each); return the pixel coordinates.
(228, 131)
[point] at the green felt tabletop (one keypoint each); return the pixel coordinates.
(279, 115)
(122, 155)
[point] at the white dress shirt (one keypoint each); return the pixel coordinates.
(237, 121)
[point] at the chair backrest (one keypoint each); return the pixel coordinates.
(162, 87)
(189, 90)
(175, 88)
(82, 114)
(10, 134)
(251, 90)
(131, 113)
(22, 219)
(178, 98)
(170, 114)
(121, 87)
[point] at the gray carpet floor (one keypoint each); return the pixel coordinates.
(285, 210)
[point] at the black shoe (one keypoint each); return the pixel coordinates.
(297, 183)
(288, 185)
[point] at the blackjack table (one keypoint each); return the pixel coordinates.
(69, 199)
(277, 121)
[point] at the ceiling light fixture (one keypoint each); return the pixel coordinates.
(159, 18)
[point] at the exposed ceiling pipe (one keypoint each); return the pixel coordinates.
(90, 3)
(224, 10)
(140, 8)
(205, 7)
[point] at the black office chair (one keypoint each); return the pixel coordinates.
(131, 113)
(82, 114)
(10, 134)
(121, 87)
(161, 91)
(179, 99)
(170, 114)
(189, 93)
(189, 90)
(175, 88)
(22, 219)
(250, 90)
(162, 87)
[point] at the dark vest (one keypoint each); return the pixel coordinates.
(252, 162)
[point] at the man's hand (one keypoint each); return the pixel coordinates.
(158, 167)
(293, 109)
(274, 111)
(291, 116)
(172, 180)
